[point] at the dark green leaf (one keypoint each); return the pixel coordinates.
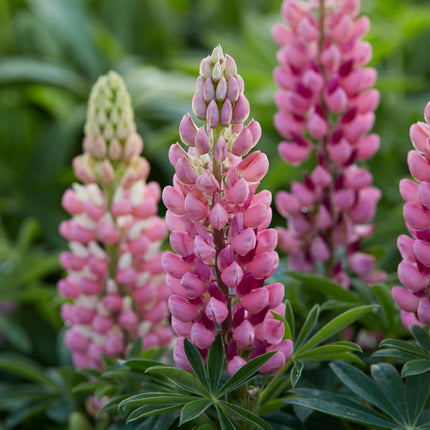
(405, 346)
(417, 394)
(224, 420)
(289, 316)
(320, 352)
(336, 325)
(307, 327)
(149, 410)
(215, 363)
(324, 286)
(383, 294)
(296, 372)
(136, 349)
(25, 368)
(363, 386)
(17, 70)
(180, 378)
(112, 406)
(339, 406)
(422, 337)
(248, 417)
(154, 398)
(87, 387)
(245, 373)
(390, 383)
(415, 367)
(393, 353)
(141, 364)
(196, 362)
(14, 333)
(194, 409)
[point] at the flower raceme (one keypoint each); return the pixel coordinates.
(223, 250)
(115, 285)
(414, 270)
(326, 104)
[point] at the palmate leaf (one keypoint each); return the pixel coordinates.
(408, 347)
(245, 415)
(156, 398)
(363, 386)
(417, 394)
(149, 410)
(224, 420)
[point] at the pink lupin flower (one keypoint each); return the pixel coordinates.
(223, 251)
(326, 104)
(115, 279)
(414, 269)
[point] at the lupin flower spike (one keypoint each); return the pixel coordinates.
(326, 104)
(223, 250)
(115, 283)
(414, 270)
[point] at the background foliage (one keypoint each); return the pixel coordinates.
(52, 51)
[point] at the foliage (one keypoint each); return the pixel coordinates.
(52, 51)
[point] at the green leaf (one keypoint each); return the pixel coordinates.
(215, 363)
(18, 70)
(405, 346)
(289, 316)
(288, 334)
(417, 394)
(307, 327)
(25, 368)
(155, 398)
(14, 333)
(248, 417)
(194, 409)
(393, 353)
(196, 362)
(415, 367)
(136, 349)
(149, 410)
(141, 364)
(296, 372)
(363, 386)
(390, 383)
(320, 352)
(112, 406)
(336, 325)
(245, 373)
(324, 286)
(422, 337)
(383, 294)
(339, 406)
(87, 387)
(224, 420)
(181, 378)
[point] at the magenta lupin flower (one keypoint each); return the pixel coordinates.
(414, 270)
(115, 282)
(223, 250)
(326, 105)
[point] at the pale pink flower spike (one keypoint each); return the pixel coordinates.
(223, 250)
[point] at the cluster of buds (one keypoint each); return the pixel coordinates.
(115, 285)
(414, 270)
(327, 105)
(223, 250)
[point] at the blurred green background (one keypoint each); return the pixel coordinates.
(52, 51)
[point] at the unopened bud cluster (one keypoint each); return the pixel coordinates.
(115, 282)
(326, 104)
(414, 270)
(222, 249)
